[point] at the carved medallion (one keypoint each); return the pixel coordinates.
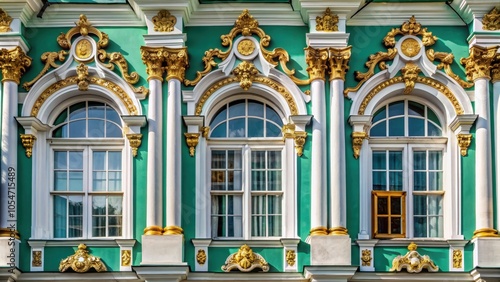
(82, 261)
(246, 47)
(37, 259)
(126, 257)
(201, 257)
(410, 47)
(83, 49)
(245, 260)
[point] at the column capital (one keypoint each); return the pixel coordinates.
(177, 62)
(13, 64)
(316, 60)
(339, 62)
(5, 21)
(495, 69)
(479, 63)
(153, 58)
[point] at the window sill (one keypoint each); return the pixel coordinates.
(421, 242)
(88, 242)
(270, 243)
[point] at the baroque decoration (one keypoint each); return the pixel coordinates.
(457, 259)
(366, 257)
(37, 259)
(192, 141)
(164, 21)
(299, 137)
(413, 261)
(28, 140)
(135, 142)
(328, 22)
(159, 59)
(83, 52)
(13, 63)
(290, 257)
(201, 257)
(245, 260)
(479, 62)
(357, 142)
(126, 257)
(464, 143)
(81, 261)
(491, 21)
(5, 21)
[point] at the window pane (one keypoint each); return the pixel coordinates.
(60, 216)
(419, 160)
(433, 130)
(218, 180)
(99, 205)
(60, 181)
(396, 109)
(76, 181)
(396, 127)
(255, 109)
(274, 225)
(416, 109)
(258, 160)
(99, 181)
(76, 160)
(78, 129)
(115, 181)
(63, 116)
(379, 115)
(274, 204)
(255, 127)
(383, 225)
(99, 226)
(258, 180)
(234, 206)
(115, 226)
(96, 110)
(419, 181)
(274, 181)
(378, 130)
(75, 216)
(258, 225)
(113, 130)
(395, 181)
(395, 225)
(115, 205)
(272, 130)
(379, 180)
(114, 160)
(234, 159)
(259, 205)
(416, 127)
(75, 227)
(219, 116)
(218, 204)
(378, 160)
(435, 181)
(435, 160)
(433, 117)
(218, 159)
(395, 160)
(435, 205)
(274, 159)
(396, 206)
(60, 160)
(420, 205)
(112, 115)
(99, 160)
(96, 128)
(420, 226)
(77, 111)
(272, 115)
(382, 204)
(237, 109)
(236, 128)
(219, 131)
(435, 226)
(61, 132)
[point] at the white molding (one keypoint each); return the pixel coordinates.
(75, 243)
(277, 243)
(327, 39)
(402, 276)
(201, 245)
(103, 276)
(252, 276)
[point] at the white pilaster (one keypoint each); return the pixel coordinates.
(36, 263)
(496, 116)
(200, 252)
(291, 256)
(366, 254)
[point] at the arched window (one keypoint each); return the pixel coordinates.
(407, 171)
(87, 193)
(245, 152)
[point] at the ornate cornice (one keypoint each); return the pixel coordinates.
(339, 62)
(316, 60)
(135, 140)
(28, 140)
(192, 141)
(13, 64)
(81, 261)
(479, 63)
(410, 74)
(153, 58)
(245, 72)
(327, 22)
(464, 141)
(245, 260)
(5, 21)
(176, 63)
(491, 20)
(164, 21)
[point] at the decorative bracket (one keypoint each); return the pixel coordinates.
(299, 137)
(28, 140)
(245, 260)
(491, 21)
(81, 261)
(192, 141)
(464, 143)
(413, 261)
(135, 142)
(357, 142)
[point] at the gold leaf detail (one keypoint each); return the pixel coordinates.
(13, 64)
(192, 141)
(28, 140)
(245, 260)
(339, 62)
(49, 59)
(201, 257)
(366, 257)
(37, 259)
(410, 47)
(411, 27)
(413, 262)
(135, 141)
(176, 63)
(410, 73)
(81, 261)
(464, 141)
(316, 60)
(246, 47)
(491, 21)
(83, 49)
(5, 21)
(164, 21)
(446, 59)
(300, 140)
(84, 28)
(126, 257)
(290, 257)
(479, 62)
(82, 72)
(245, 72)
(328, 22)
(357, 142)
(457, 259)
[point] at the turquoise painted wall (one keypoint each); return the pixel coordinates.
(109, 256)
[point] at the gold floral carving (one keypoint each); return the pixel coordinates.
(446, 59)
(320, 230)
(84, 28)
(316, 60)
(37, 259)
(246, 47)
(327, 22)
(290, 257)
(464, 141)
(205, 130)
(424, 80)
(485, 232)
(135, 142)
(411, 27)
(366, 257)
(49, 59)
(28, 140)
(83, 49)
(245, 72)
(413, 261)
(288, 131)
(153, 230)
(357, 142)
(300, 140)
(479, 62)
(126, 257)
(339, 62)
(73, 80)
(153, 58)
(495, 69)
(263, 80)
(82, 72)
(376, 59)
(192, 142)
(173, 230)
(164, 21)
(5, 21)
(201, 257)
(457, 259)
(245, 260)
(176, 63)
(410, 47)
(410, 73)
(13, 63)
(117, 59)
(245, 25)
(81, 261)
(491, 21)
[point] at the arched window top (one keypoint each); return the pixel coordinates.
(405, 118)
(88, 120)
(246, 118)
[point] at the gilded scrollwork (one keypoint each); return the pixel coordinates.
(28, 141)
(13, 63)
(49, 59)
(446, 60)
(176, 63)
(290, 256)
(327, 22)
(366, 257)
(491, 20)
(495, 69)
(126, 258)
(245, 72)
(357, 142)
(164, 21)
(135, 140)
(413, 261)
(201, 257)
(192, 141)
(464, 141)
(339, 62)
(411, 27)
(84, 28)
(457, 259)
(82, 73)
(5, 21)
(81, 261)
(479, 62)
(245, 260)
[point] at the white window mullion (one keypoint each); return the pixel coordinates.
(247, 196)
(408, 187)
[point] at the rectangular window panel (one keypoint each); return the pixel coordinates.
(60, 216)
(226, 216)
(389, 211)
(75, 216)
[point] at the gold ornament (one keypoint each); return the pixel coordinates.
(192, 141)
(410, 73)
(164, 21)
(37, 259)
(446, 59)
(320, 230)
(246, 47)
(135, 141)
(28, 140)
(410, 47)
(82, 72)
(479, 62)
(13, 63)
(82, 261)
(411, 27)
(49, 59)
(464, 143)
(84, 28)
(153, 230)
(495, 69)
(176, 63)
(337, 231)
(173, 230)
(288, 131)
(357, 142)
(366, 257)
(245, 72)
(491, 21)
(83, 49)
(339, 62)
(290, 257)
(413, 261)
(126, 257)
(457, 259)
(316, 60)
(300, 140)
(201, 257)
(153, 58)
(328, 22)
(485, 232)
(245, 260)
(5, 21)
(205, 131)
